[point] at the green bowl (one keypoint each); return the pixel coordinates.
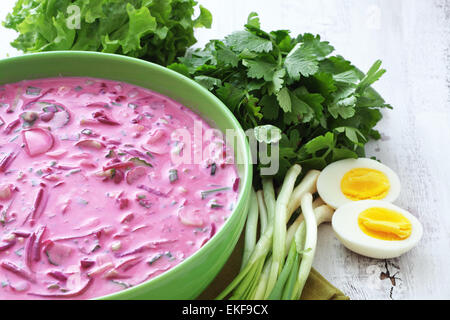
(188, 279)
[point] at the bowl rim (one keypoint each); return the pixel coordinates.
(245, 179)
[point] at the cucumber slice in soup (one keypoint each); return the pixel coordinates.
(51, 115)
(57, 253)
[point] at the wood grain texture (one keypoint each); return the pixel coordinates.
(412, 37)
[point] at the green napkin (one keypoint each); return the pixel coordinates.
(316, 288)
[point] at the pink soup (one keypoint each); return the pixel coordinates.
(91, 200)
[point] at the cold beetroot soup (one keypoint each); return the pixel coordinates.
(91, 199)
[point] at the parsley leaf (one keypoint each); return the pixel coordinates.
(323, 105)
(245, 40)
(260, 69)
(208, 82)
(301, 61)
(284, 99)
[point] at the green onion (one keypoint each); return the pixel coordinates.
(262, 211)
(310, 245)
(19, 252)
(213, 169)
(206, 193)
(279, 234)
(154, 259)
(259, 254)
(33, 91)
(122, 284)
(87, 132)
(251, 228)
(14, 139)
(173, 175)
(262, 285)
(169, 255)
(96, 247)
(275, 266)
(284, 275)
(82, 201)
(289, 287)
(73, 172)
(216, 206)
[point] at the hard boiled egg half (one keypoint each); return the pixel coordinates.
(352, 180)
(376, 229)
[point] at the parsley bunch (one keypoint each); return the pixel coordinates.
(154, 30)
(322, 104)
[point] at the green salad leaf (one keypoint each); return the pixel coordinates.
(323, 105)
(154, 30)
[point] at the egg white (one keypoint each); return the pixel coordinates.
(329, 181)
(347, 230)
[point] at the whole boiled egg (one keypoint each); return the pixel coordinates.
(350, 180)
(376, 229)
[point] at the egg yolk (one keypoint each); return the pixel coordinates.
(365, 184)
(384, 224)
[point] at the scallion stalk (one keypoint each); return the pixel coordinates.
(279, 233)
(250, 229)
(310, 245)
(277, 291)
(262, 211)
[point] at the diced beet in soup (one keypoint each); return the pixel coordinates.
(101, 187)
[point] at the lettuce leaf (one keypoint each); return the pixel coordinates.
(159, 31)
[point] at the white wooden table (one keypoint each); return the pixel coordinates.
(412, 37)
